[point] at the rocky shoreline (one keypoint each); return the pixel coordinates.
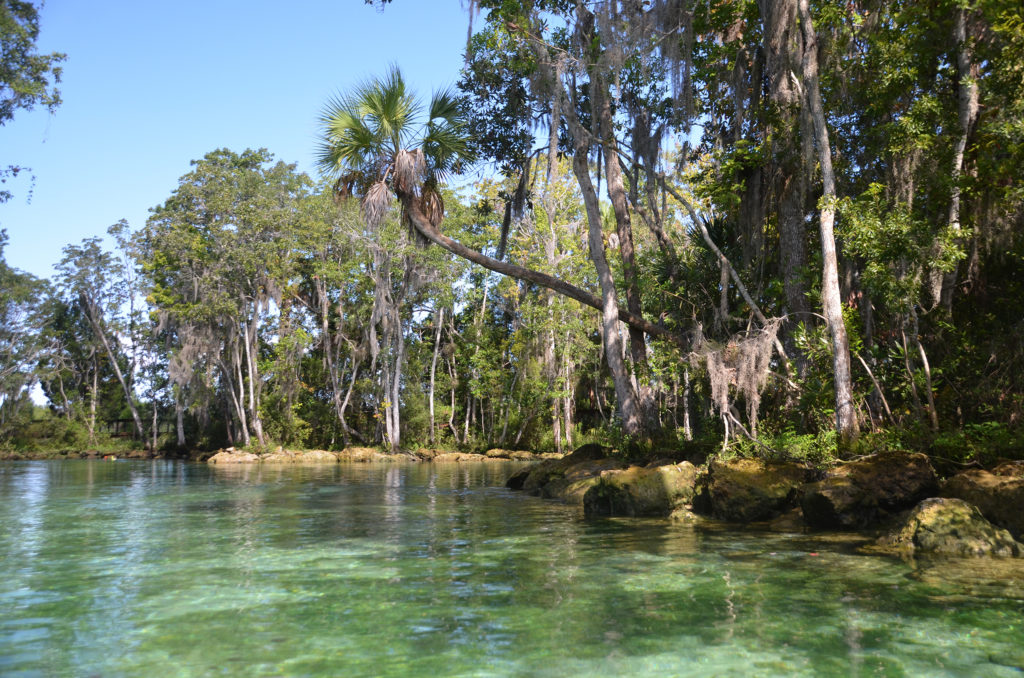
(895, 499)
(369, 454)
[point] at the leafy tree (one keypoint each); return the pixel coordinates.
(21, 338)
(88, 277)
(25, 75)
(218, 257)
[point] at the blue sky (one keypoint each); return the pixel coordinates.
(150, 86)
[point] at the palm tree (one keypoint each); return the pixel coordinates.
(363, 146)
(373, 146)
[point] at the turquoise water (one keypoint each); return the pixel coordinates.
(170, 569)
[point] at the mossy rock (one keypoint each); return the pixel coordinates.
(863, 492)
(572, 482)
(641, 491)
(1000, 498)
(747, 490)
(950, 526)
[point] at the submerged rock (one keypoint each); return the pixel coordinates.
(640, 491)
(998, 495)
(746, 490)
(950, 526)
(860, 493)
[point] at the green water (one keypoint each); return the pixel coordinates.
(170, 569)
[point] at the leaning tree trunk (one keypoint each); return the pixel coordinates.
(846, 416)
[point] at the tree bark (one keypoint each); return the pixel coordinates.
(782, 60)
(624, 229)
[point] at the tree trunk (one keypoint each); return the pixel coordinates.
(438, 322)
(967, 116)
(411, 204)
(94, 315)
(249, 343)
(93, 397)
(624, 229)
(846, 416)
(179, 417)
(782, 60)
(609, 311)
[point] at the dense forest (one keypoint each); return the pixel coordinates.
(783, 227)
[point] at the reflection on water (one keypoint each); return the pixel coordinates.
(164, 568)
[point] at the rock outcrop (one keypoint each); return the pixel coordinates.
(747, 490)
(950, 526)
(307, 457)
(641, 491)
(365, 454)
(863, 492)
(462, 457)
(567, 478)
(999, 494)
(232, 456)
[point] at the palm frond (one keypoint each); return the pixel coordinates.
(448, 149)
(445, 105)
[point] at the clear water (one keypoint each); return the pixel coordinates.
(169, 569)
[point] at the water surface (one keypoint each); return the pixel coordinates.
(172, 569)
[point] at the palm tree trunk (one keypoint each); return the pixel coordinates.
(427, 230)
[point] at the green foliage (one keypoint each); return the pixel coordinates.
(982, 443)
(25, 75)
(896, 247)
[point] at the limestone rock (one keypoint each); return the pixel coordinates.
(515, 455)
(1000, 498)
(746, 490)
(639, 491)
(232, 456)
(363, 454)
(460, 457)
(551, 469)
(566, 478)
(951, 527)
(862, 492)
(572, 484)
(427, 454)
(319, 457)
(281, 456)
